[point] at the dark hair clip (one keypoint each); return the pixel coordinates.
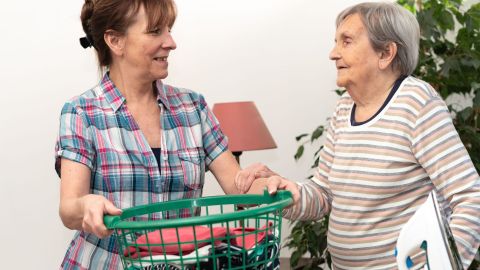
(85, 42)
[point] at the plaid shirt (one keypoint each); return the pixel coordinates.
(96, 129)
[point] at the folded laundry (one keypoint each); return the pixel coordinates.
(203, 266)
(200, 254)
(248, 237)
(202, 247)
(181, 240)
(165, 267)
(263, 256)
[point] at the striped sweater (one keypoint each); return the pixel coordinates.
(372, 177)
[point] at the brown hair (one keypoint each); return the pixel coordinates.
(98, 16)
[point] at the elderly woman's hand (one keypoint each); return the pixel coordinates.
(277, 182)
(274, 183)
(245, 177)
(94, 208)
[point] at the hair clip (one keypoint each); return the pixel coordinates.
(86, 42)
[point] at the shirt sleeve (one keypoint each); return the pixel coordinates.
(439, 150)
(74, 141)
(214, 141)
(316, 196)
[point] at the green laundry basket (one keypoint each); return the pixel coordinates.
(222, 232)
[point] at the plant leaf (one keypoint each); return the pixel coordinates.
(340, 91)
(476, 99)
(317, 133)
(299, 153)
(465, 113)
(451, 64)
(315, 164)
(473, 17)
(318, 151)
(294, 259)
(299, 137)
(444, 19)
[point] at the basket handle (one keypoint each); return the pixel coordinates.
(110, 221)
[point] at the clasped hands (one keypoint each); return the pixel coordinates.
(256, 177)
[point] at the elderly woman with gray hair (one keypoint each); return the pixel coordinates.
(389, 143)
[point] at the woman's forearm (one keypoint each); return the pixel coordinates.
(86, 213)
(71, 212)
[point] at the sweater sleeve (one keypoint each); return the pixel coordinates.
(316, 196)
(438, 148)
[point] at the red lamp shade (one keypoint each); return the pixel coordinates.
(244, 126)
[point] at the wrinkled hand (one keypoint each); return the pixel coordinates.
(94, 208)
(245, 177)
(277, 182)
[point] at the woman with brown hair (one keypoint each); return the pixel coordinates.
(131, 139)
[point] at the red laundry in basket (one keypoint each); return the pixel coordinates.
(173, 244)
(252, 236)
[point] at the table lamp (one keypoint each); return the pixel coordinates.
(244, 127)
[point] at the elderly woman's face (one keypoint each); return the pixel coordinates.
(354, 57)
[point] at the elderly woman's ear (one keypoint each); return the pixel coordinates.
(387, 55)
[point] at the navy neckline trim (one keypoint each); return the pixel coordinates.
(396, 85)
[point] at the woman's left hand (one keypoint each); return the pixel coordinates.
(245, 177)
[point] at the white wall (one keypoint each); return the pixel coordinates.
(274, 52)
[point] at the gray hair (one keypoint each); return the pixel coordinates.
(389, 22)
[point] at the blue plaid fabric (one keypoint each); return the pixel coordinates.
(96, 129)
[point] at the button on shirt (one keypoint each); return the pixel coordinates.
(96, 129)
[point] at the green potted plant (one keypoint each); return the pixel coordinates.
(450, 61)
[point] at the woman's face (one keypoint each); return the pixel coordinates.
(354, 57)
(147, 52)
